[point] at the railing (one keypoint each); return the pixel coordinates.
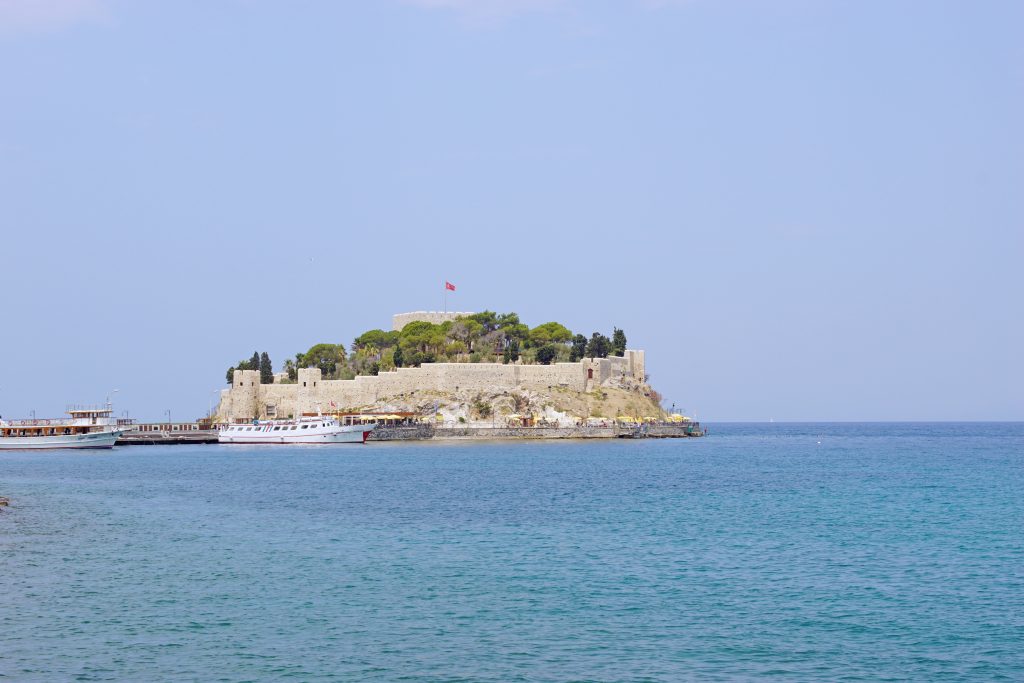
(102, 408)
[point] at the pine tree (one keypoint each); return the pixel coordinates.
(598, 346)
(266, 369)
(398, 359)
(579, 348)
(254, 362)
(618, 342)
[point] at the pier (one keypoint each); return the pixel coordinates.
(163, 438)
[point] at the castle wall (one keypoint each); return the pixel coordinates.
(247, 398)
(400, 320)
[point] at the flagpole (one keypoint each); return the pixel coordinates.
(444, 285)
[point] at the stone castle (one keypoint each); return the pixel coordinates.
(247, 398)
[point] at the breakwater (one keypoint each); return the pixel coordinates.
(421, 432)
(425, 432)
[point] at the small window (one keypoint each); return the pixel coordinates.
(248, 429)
(305, 426)
(293, 427)
(303, 384)
(277, 429)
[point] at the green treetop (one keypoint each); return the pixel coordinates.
(599, 346)
(330, 358)
(579, 348)
(549, 333)
(266, 369)
(618, 342)
(546, 354)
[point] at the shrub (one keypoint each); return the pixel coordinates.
(546, 354)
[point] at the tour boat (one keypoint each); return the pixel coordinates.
(322, 430)
(87, 427)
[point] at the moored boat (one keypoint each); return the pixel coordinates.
(305, 430)
(86, 427)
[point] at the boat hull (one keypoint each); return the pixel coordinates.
(60, 441)
(346, 434)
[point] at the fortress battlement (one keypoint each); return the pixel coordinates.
(247, 398)
(400, 320)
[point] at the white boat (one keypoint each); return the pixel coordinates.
(309, 430)
(87, 427)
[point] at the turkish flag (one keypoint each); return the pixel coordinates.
(448, 285)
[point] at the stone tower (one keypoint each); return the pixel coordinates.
(400, 320)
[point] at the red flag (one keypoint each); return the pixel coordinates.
(449, 286)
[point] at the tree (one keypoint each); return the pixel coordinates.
(579, 348)
(546, 354)
(424, 338)
(397, 359)
(511, 353)
(254, 362)
(598, 346)
(488, 320)
(513, 350)
(618, 342)
(549, 333)
(291, 369)
(505, 320)
(376, 338)
(266, 369)
(328, 357)
(466, 330)
(517, 331)
(230, 376)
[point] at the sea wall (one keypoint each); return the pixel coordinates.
(484, 433)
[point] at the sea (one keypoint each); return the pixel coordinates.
(803, 552)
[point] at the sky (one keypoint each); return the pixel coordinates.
(801, 210)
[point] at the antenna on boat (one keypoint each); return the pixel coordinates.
(110, 406)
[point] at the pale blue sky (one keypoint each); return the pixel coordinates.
(802, 210)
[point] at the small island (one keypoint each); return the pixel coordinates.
(461, 372)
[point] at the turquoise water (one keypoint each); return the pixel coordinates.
(796, 552)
